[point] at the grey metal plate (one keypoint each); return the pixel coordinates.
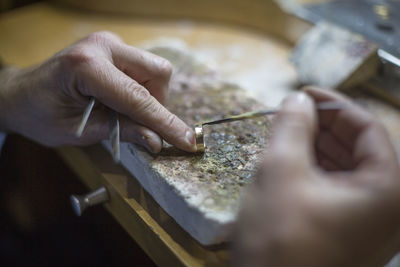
(359, 16)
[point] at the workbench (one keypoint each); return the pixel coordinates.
(33, 33)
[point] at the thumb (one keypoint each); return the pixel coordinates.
(294, 128)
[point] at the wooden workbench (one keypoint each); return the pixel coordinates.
(34, 33)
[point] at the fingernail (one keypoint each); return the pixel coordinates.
(297, 99)
(151, 144)
(144, 141)
(301, 97)
(300, 106)
(191, 140)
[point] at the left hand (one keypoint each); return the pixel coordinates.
(46, 102)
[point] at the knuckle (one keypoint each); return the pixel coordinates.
(170, 120)
(102, 37)
(140, 94)
(79, 56)
(378, 126)
(296, 124)
(293, 125)
(387, 153)
(296, 119)
(282, 156)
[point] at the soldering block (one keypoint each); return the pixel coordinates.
(202, 191)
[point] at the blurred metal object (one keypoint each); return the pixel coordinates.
(378, 21)
(81, 203)
(389, 58)
(388, 79)
(85, 117)
(363, 17)
(390, 72)
(382, 10)
(115, 135)
(383, 16)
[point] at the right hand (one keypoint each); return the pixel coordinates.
(328, 193)
(46, 102)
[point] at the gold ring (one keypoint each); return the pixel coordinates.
(200, 145)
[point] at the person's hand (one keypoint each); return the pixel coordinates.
(328, 193)
(46, 102)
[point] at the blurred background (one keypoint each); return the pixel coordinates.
(37, 224)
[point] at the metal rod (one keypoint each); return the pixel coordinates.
(85, 117)
(115, 135)
(389, 57)
(330, 105)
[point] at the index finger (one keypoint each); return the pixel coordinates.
(151, 71)
(118, 91)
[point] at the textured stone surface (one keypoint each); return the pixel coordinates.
(202, 191)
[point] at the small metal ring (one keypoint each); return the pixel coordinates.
(200, 145)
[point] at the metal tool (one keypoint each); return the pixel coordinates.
(85, 117)
(115, 135)
(114, 128)
(81, 203)
(199, 132)
(382, 12)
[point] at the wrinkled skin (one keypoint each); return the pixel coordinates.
(328, 193)
(46, 102)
